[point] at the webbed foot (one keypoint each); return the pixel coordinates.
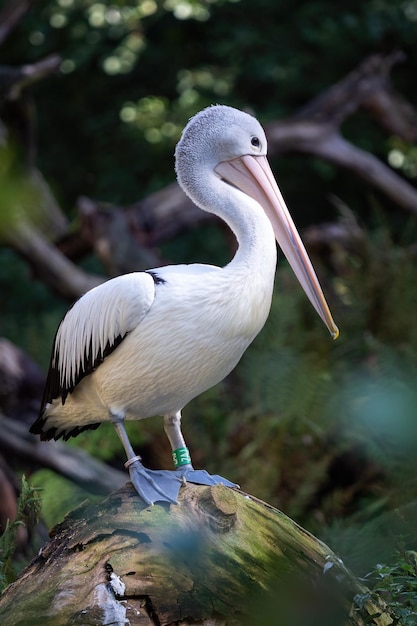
(201, 477)
(164, 485)
(154, 485)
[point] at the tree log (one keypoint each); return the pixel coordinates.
(219, 557)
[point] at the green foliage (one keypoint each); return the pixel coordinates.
(29, 314)
(59, 496)
(18, 199)
(28, 511)
(397, 585)
(104, 444)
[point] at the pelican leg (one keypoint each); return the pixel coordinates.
(180, 452)
(151, 485)
(182, 458)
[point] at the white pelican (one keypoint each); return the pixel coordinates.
(147, 343)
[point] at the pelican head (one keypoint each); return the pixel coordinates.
(232, 144)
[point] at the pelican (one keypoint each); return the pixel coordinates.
(146, 343)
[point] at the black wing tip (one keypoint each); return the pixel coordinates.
(37, 428)
(46, 434)
(156, 278)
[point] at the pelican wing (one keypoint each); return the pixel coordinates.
(95, 325)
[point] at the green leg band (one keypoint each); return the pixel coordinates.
(181, 456)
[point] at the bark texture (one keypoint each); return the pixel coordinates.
(219, 557)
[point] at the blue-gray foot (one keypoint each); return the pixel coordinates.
(164, 485)
(201, 477)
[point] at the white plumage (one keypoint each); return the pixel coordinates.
(147, 343)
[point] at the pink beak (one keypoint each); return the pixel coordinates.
(253, 176)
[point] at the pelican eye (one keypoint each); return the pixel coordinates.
(255, 142)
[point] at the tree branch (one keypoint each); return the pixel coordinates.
(14, 79)
(326, 142)
(51, 266)
(357, 89)
(11, 14)
(72, 463)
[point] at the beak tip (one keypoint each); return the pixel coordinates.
(334, 332)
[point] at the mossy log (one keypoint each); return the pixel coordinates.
(218, 558)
